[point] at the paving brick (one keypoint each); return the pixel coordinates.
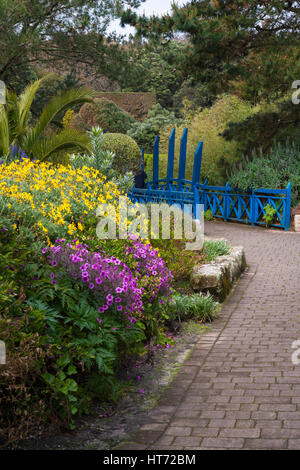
(240, 432)
(188, 441)
(178, 431)
(266, 444)
(221, 423)
(277, 432)
(206, 432)
(294, 444)
(223, 443)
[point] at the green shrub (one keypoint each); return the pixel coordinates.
(105, 114)
(274, 170)
(269, 214)
(144, 133)
(127, 152)
(179, 260)
(208, 215)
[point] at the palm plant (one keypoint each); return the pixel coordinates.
(15, 128)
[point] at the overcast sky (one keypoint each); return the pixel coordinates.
(150, 7)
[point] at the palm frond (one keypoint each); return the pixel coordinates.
(69, 140)
(58, 104)
(11, 109)
(4, 132)
(25, 101)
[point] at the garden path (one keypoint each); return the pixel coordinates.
(239, 388)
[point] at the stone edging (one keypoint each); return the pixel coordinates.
(218, 277)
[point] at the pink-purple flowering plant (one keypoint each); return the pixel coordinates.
(154, 278)
(150, 267)
(108, 279)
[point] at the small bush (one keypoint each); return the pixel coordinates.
(273, 170)
(269, 214)
(127, 152)
(208, 215)
(22, 406)
(144, 133)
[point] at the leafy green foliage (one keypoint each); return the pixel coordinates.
(192, 307)
(112, 118)
(102, 160)
(275, 121)
(179, 260)
(214, 248)
(208, 215)
(163, 165)
(206, 125)
(192, 95)
(269, 214)
(223, 34)
(72, 355)
(65, 32)
(15, 128)
(272, 170)
(127, 152)
(144, 133)
(158, 67)
(105, 114)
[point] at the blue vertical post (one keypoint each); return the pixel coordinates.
(252, 207)
(171, 152)
(196, 200)
(156, 162)
(182, 158)
(203, 196)
(226, 204)
(287, 214)
(197, 163)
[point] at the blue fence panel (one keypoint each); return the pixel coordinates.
(224, 202)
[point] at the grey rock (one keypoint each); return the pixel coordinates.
(218, 277)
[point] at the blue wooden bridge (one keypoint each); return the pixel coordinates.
(224, 202)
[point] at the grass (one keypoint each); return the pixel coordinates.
(195, 306)
(212, 249)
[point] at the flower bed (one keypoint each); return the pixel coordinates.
(73, 309)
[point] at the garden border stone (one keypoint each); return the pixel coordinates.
(219, 276)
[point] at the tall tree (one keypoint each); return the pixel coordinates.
(248, 47)
(157, 68)
(224, 33)
(53, 30)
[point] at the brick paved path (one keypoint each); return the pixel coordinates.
(239, 388)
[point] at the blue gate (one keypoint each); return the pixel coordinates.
(224, 202)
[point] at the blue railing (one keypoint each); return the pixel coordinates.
(224, 202)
